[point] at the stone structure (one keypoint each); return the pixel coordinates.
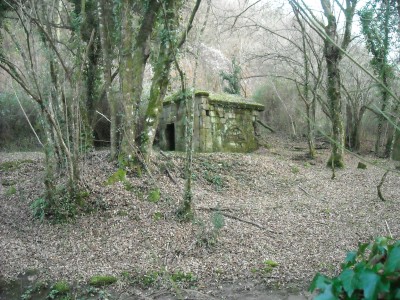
(222, 123)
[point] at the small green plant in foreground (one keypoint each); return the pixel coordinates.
(207, 237)
(59, 289)
(268, 266)
(62, 287)
(295, 170)
(157, 216)
(214, 179)
(11, 191)
(372, 272)
(155, 278)
(102, 280)
(39, 207)
(180, 276)
(118, 176)
(154, 195)
(100, 294)
(32, 290)
(149, 279)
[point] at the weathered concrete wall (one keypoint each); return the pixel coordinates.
(219, 125)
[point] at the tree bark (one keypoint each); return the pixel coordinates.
(132, 65)
(185, 212)
(167, 54)
(105, 15)
(333, 56)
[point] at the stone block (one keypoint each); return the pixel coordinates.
(205, 106)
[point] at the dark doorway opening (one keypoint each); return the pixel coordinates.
(170, 137)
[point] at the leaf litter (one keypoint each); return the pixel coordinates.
(307, 221)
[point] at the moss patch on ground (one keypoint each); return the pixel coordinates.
(102, 280)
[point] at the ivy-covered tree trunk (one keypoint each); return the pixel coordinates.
(132, 64)
(85, 24)
(394, 133)
(126, 65)
(376, 18)
(335, 105)
(168, 48)
(158, 90)
(105, 16)
(333, 56)
(383, 69)
(92, 70)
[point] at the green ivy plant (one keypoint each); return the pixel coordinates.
(372, 272)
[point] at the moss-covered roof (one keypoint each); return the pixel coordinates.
(234, 100)
(219, 100)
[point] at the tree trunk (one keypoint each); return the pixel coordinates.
(381, 117)
(335, 105)
(185, 212)
(377, 35)
(333, 56)
(126, 77)
(310, 109)
(104, 10)
(169, 46)
(393, 132)
(157, 93)
(132, 65)
(355, 134)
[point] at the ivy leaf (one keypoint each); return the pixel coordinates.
(320, 282)
(362, 248)
(347, 278)
(350, 258)
(369, 283)
(327, 294)
(397, 295)
(384, 286)
(393, 261)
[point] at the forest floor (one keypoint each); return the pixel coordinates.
(265, 223)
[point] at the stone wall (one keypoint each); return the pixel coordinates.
(219, 125)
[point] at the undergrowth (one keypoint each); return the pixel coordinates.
(61, 207)
(371, 272)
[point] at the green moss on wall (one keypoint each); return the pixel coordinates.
(223, 123)
(228, 100)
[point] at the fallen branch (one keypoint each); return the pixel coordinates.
(297, 148)
(244, 221)
(307, 193)
(170, 176)
(237, 218)
(265, 126)
(379, 187)
(388, 229)
(163, 154)
(218, 209)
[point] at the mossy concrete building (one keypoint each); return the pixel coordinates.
(222, 123)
